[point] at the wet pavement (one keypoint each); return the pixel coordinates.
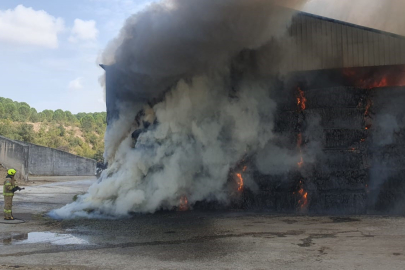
(43, 198)
(42, 237)
(195, 240)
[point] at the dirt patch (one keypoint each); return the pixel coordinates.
(37, 126)
(307, 242)
(322, 250)
(344, 219)
(76, 132)
(289, 221)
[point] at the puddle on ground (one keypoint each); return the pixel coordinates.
(42, 237)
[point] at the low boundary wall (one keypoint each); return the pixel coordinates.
(30, 159)
(14, 155)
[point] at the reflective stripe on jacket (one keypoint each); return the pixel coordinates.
(8, 187)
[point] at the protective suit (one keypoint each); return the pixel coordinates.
(8, 192)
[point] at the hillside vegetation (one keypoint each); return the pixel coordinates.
(81, 134)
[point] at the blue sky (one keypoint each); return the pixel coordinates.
(49, 50)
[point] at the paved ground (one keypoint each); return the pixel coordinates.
(188, 240)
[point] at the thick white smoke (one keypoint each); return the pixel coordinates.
(205, 124)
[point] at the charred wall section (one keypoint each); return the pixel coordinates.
(351, 141)
(387, 173)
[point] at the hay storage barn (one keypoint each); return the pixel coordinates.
(342, 89)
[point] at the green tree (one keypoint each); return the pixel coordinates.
(85, 151)
(84, 137)
(6, 128)
(62, 130)
(41, 117)
(87, 122)
(59, 116)
(80, 116)
(99, 118)
(92, 139)
(34, 116)
(2, 112)
(48, 115)
(10, 109)
(26, 132)
(99, 155)
(23, 104)
(24, 112)
(70, 117)
(7, 100)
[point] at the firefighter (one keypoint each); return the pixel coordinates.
(8, 192)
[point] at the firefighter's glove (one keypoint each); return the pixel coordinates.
(17, 188)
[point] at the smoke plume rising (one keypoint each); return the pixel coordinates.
(202, 121)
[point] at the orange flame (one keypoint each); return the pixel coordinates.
(368, 106)
(301, 162)
(382, 83)
(301, 100)
(303, 201)
(369, 79)
(183, 206)
(239, 181)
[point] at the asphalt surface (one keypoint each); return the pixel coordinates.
(194, 240)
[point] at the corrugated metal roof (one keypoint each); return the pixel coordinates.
(350, 24)
(315, 42)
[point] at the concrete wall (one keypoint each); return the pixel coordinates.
(31, 159)
(52, 162)
(14, 154)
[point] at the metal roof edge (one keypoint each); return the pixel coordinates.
(350, 24)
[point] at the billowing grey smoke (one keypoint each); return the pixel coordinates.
(181, 52)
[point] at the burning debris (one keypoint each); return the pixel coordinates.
(301, 100)
(371, 78)
(301, 104)
(302, 197)
(302, 194)
(239, 179)
(183, 204)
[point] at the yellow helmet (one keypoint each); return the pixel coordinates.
(11, 172)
